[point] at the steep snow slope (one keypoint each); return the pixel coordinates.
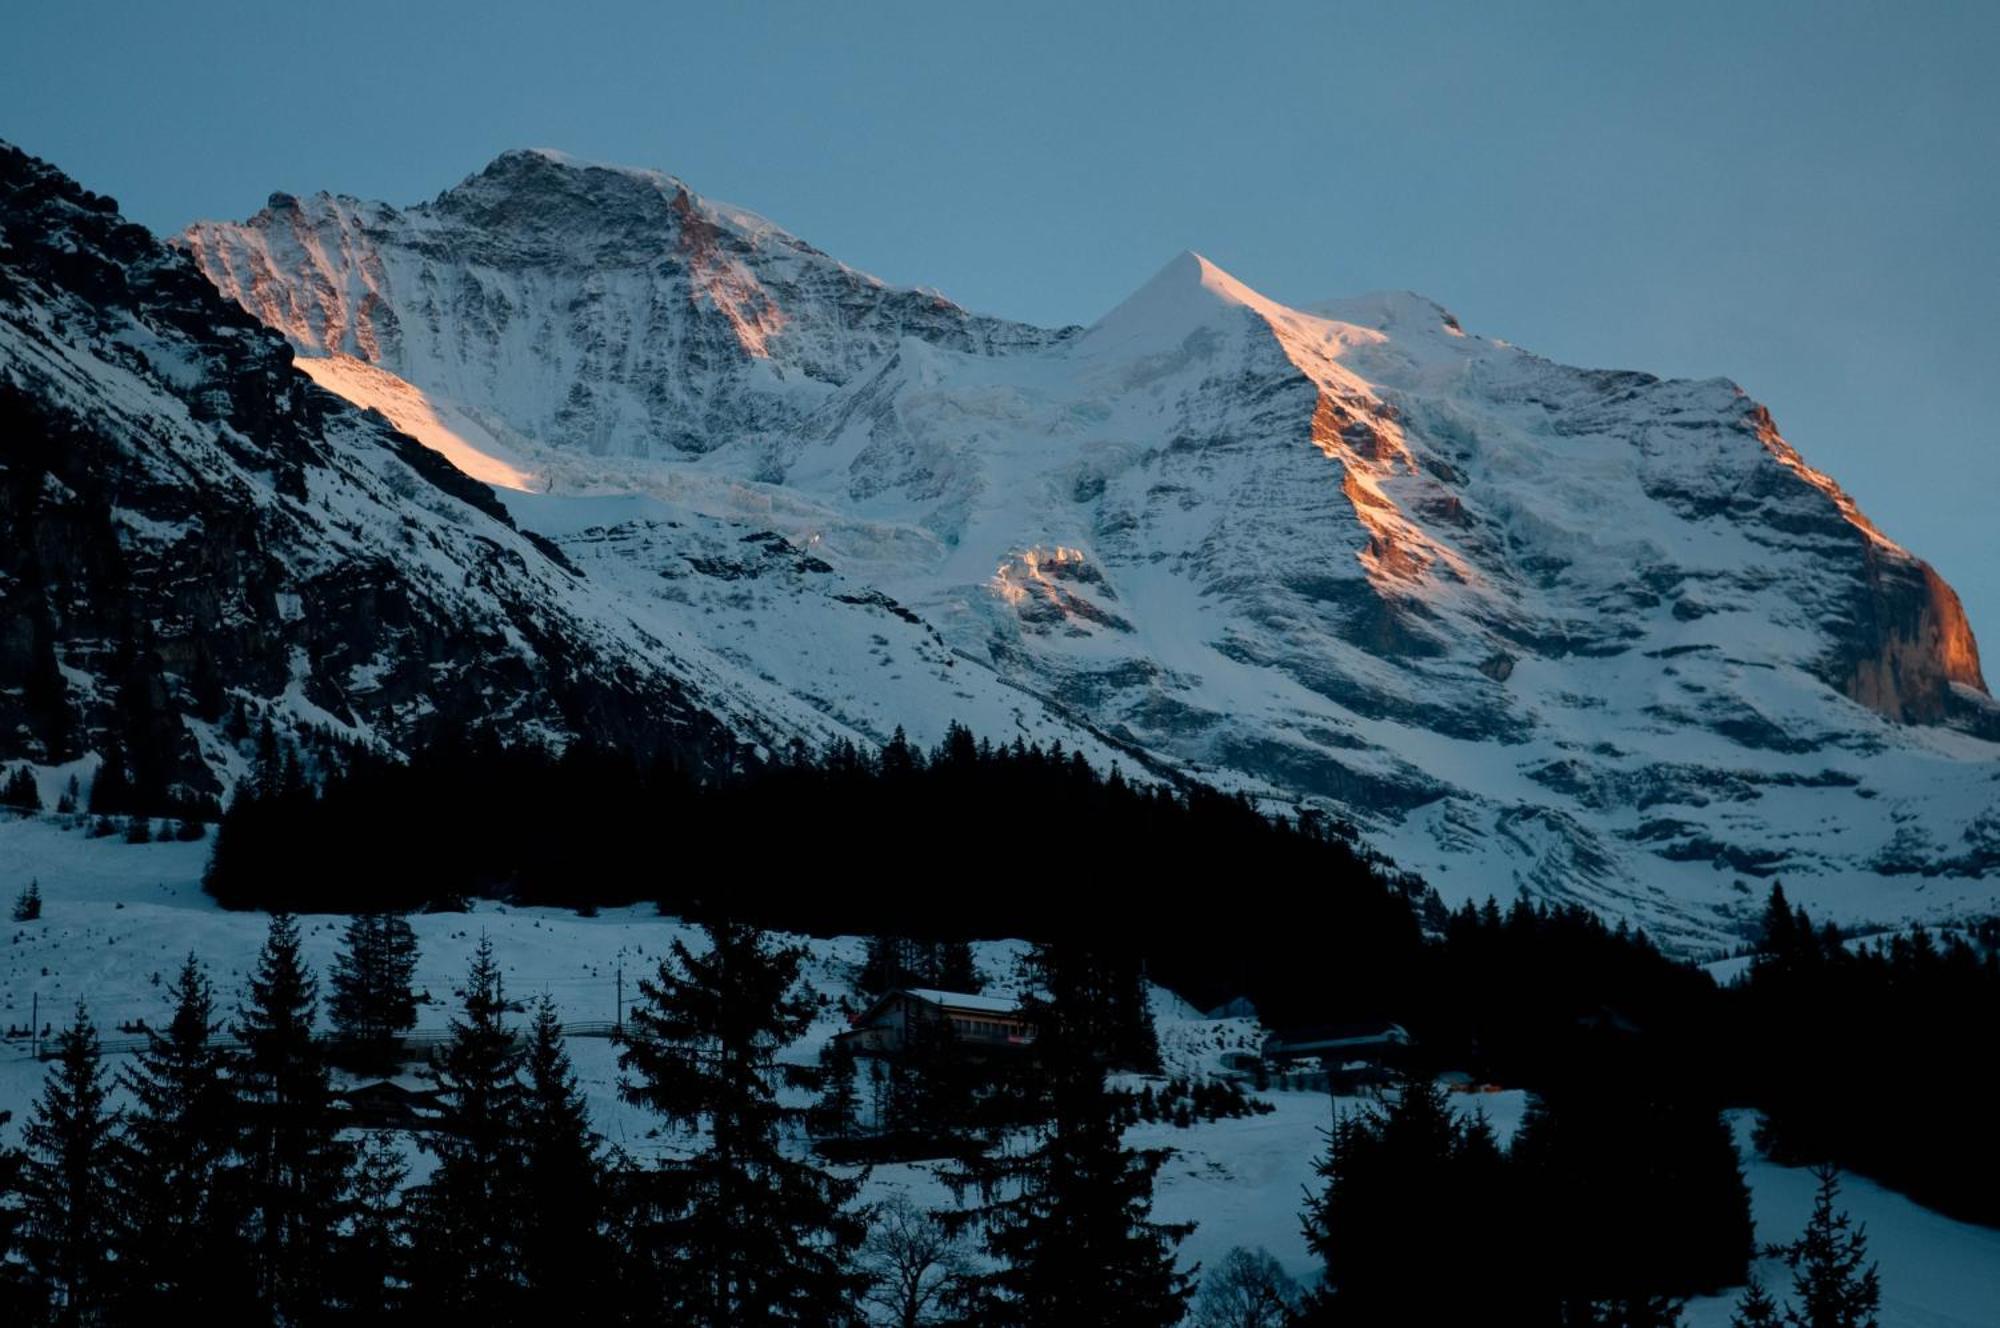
(194, 538)
(1587, 633)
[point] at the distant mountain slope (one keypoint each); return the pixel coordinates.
(1575, 631)
(194, 539)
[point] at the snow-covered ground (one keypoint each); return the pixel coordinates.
(118, 919)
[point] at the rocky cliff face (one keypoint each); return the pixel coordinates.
(195, 539)
(1585, 633)
(604, 310)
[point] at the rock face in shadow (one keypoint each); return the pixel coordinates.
(194, 541)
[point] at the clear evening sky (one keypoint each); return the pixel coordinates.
(1802, 197)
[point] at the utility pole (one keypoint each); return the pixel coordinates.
(35, 1026)
(620, 1025)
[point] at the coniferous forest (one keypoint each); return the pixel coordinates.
(213, 1173)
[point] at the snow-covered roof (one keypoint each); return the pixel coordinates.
(960, 1000)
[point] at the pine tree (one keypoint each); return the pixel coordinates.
(71, 1224)
(28, 904)
(889, 964)
(371, 1003)
(739, 1233)
(21, 791)
(1068, 1223)
(564, 1256)
(468, 1236)
(838, 1110)
(1833, 1283)
(1755, 1309)
(1406, 1190)
(293, 1168)
(180, 1255)
(374, 1267)
(19, 1302)
(110, 787)
(954, 969)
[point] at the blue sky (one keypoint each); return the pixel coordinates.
(1802, 197)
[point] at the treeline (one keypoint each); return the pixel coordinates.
(1588, 1219)
(970, 840)
(219, 1186)
(1196, 890)
(1875, 1056)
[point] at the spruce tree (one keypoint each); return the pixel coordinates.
(21, 791)
(374, 1265)
(293, 1168)
(468, 1263)
(838, 1110)
(564, 1255)
(1834, 1285)
(371, 1004)
(1408, 1189)
(1068, 1224)
(953, 967)
(28, 904)
(70, 1212)
(180, 1257)
(737, 1234)
(18, 1300)
(1755, 1309)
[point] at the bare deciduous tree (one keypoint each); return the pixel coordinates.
(912, 1262)
(1247, 1290)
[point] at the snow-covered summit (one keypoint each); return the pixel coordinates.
(602, 309)
(1583, 632)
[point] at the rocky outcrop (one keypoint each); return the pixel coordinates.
(194, 540)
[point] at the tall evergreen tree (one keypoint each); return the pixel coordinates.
(953, 967)
(1834, 1284)
(468, 1245)
(1068, 1223)
(740, 1234)
(19, 1301)
(890, 963)
(1640, 1193)
(71, 1224)
(839, 1107)
(1406, 1190)
(1755, 1308)
(564, 1255)
(371, 1003)
(181, 1257)
(294, 1168)
(374, 1264)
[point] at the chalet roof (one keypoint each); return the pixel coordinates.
(962, 1000)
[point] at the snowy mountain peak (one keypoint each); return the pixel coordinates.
(1587, 633)
(1190, 294)
(599, 310)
